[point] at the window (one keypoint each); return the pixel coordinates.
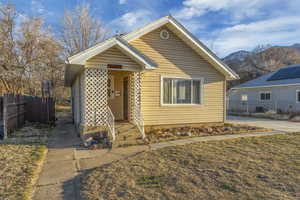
(164, 34)
(265, 96)
(298, 96)
(244, 97)
(181, 91)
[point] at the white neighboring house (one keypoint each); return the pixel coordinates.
(277, 91)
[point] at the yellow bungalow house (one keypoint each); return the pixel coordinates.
(159, 74)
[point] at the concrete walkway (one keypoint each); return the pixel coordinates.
(266, 123)
(57, 179)
(66, 160)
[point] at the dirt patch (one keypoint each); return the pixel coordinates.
(166, 134)
(19, 164)
(248, 168)
(33, 130)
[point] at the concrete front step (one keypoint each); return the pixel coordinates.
(124, 126)
(126, 132)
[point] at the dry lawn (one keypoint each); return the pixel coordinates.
(59, 108)
(248, 168)
(18, 167)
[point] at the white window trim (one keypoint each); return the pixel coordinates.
(241, 97)
(297, 94)
(186, 78)
(259, 97)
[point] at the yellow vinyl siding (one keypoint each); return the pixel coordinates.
(175, 58)
(112, 56)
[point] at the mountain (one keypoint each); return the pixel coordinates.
(250, 65)
(296, 46)
(238, 56)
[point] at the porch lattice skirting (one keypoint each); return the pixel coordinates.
(95, 97)
(135, 95)
(136, 114)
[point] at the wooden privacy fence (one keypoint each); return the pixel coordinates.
(40, 109)
(1, 118)
(17, 109)
(1, 109)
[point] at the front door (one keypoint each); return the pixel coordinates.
(125, 98)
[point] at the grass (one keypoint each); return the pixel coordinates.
(62, 108)
(19, 164)
(20, 159)
(247, 168)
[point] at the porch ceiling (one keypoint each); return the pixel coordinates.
(71, 71)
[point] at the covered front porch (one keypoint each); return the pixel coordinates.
(102, 96)
(106, 86)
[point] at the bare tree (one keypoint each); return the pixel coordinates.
(80, 29)
(27, 49)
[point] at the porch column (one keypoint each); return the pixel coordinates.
(95, 96)
(135, 96)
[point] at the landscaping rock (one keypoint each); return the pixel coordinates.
(164, 134)
(295, 119)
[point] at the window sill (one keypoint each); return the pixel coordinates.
(179, 105)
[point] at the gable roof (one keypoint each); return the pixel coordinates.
(192, 41)
(132, 52)
(266, 80)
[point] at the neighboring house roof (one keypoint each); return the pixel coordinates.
(122, 42)
(284, 76)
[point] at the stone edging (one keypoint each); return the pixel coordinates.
(160, 145)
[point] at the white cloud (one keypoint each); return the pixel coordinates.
(37, 7)
(280, 31)
(237, 8)
(122, 1)
(194, 25)
(132, 20)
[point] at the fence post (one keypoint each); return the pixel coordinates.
(4, 116)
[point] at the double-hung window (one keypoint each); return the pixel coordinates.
(265, 96)
(244, 97)
(181, 91)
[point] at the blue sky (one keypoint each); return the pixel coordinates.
(223, 25)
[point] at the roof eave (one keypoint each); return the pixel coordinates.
(71, 71)
(82, 58)
(266, 86)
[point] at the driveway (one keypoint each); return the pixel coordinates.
(285, 126)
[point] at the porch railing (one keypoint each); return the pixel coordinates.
(111, 122)
(140, 122)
